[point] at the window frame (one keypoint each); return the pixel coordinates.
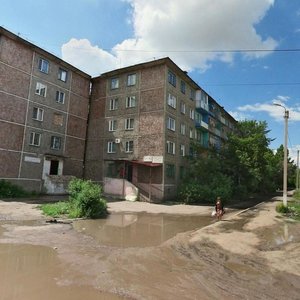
(172, 78)
(182, 129)
(41, 89)
(182, 150)
(54, 140)
(111, 147)
(129, 146)
(171, 100)
(39, 114)
(114, 83)
(130, 101)
(113, 104)
(44, 65)
(170, 170)
(58, 97)
(182, 87)
(112, 125)
(32, 139)
(62, 75)
(129, 124)
(131, 79)
(182, 107)
(171, 124)
(171, 147)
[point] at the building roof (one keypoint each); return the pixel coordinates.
(41, 51)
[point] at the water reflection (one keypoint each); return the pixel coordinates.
(284, 237)
(139, 230)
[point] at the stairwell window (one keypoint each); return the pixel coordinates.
(41, 89)
(129, 124)
(170, 171)
(131, 79)
(112, 126)
(192, 113)
(114, 84)
(172, 100)
(130, 101)
(129, 146)
(38, 114)
(182, 150)
(171, 124)
(172, 78)
(111, 147)
(182, 107)
(44, 65)
(60, 97)
(182, 87)
(170, 147)
(55, 142)
(182, 129)
(35, 139)
(113, 104)
(62, 75)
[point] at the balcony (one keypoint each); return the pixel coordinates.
(205, 125)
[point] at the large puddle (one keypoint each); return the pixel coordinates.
(139, 229)
(35, 273)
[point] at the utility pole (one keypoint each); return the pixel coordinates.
(297, 177)
(285, 159)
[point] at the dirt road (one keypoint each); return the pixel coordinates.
(250, 255)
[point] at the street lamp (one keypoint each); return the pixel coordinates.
(286, 116)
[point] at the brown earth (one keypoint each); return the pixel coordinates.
(250, 254)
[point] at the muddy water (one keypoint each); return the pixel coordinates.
(35, 273)
(140, 229)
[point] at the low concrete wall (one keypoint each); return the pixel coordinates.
(56, 184)
(120, 188)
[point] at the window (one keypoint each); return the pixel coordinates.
(182, 107)
(182, 172)
(182, 129)
(182, 150)
(170, 171)
(129, 146)
(44, 65)
(192, 113)
(172, 78)
(112, 126)
(35, 139)
(58, 119)
(130, 101)
(171, 100)
(54, 165)
(129, 123)
(62, 75)
(113, 104)
(171, 124)
(193, 94)
(111, 147)
(55, 142)
(131, 79)
(41, 89)
(60, 97)
(114, 84)
(38, 114)
(191, 133)
(182, 87)
(170, 147)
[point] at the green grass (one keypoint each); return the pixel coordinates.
(55, 210)
(293, 208)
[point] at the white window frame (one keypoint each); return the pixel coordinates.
(130, 101)
(182, 107)
(129, 124)
(182, 150)
(38, 114)
(129, 146)
(60, 97)
(62, 74)
(192, 113)
(182, 129)
(114, 83)
(172, 100)
(111, 147)
(170, 147)
(131, 79)
(112, 125)
(56, 142)
(113, 104)
(171, 123)
(44, 65)
(41, 89)
(35, 139)
(172, 78)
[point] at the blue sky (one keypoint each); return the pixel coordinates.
(101, 35)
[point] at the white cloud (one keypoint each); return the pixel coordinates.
(171, 28)
(240, 116)
(293, 153)
(274, 111)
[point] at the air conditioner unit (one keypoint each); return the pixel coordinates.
(117, 141)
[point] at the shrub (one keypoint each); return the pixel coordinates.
(85, 199)
(9, 190)
(282, 209)
(55, 209)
